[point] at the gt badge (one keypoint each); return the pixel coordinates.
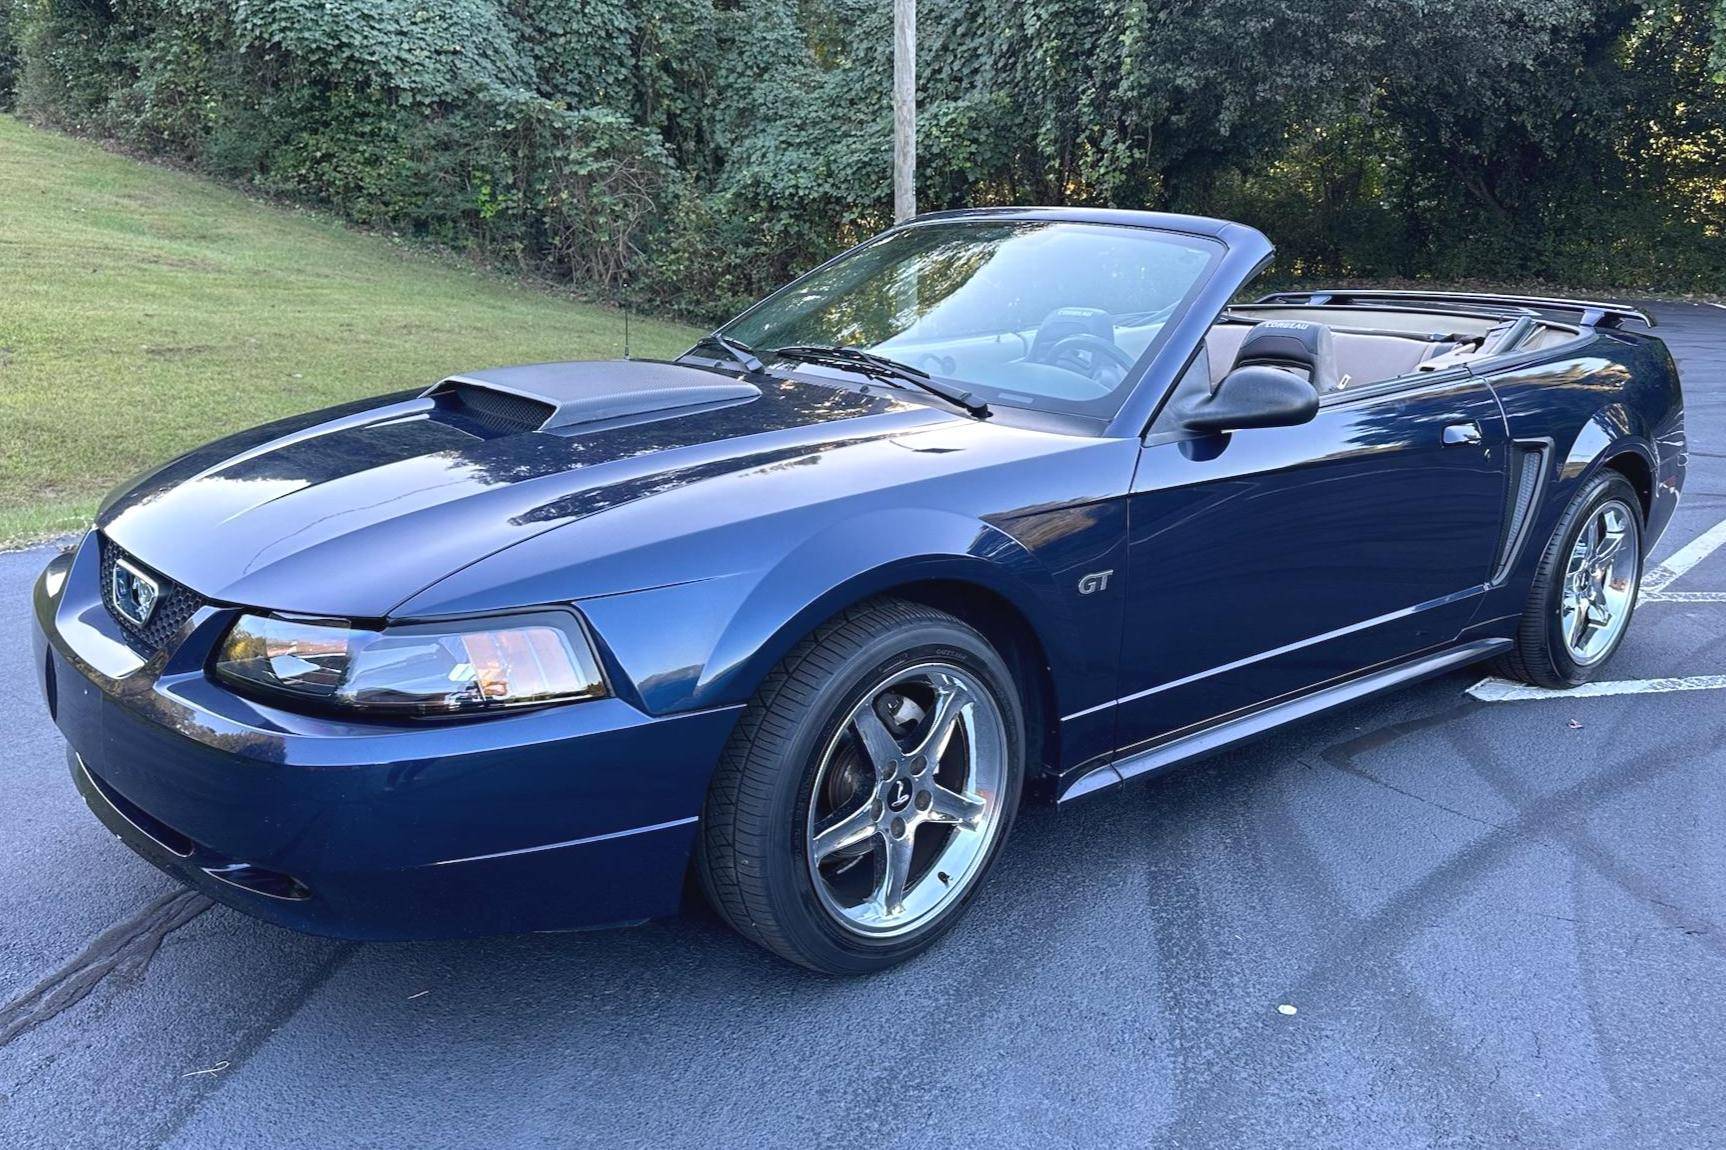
(1095, 581)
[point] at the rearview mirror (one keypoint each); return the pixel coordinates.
(1253, 397)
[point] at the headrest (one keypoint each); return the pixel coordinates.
(1293, 344)
(1070, 321)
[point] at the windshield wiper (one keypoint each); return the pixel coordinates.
(879, 367)
(735, 349)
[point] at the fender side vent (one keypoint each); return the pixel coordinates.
(1527, 468)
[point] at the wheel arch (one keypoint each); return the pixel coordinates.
(973, 596)
(1011, 632)
(1613, 437)
(712, 641)
(1635, 467)
(979, 592)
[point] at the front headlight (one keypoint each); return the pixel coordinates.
(419, 669)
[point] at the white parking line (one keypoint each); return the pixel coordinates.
(1496, 690)
(1686, 557)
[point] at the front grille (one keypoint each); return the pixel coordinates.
(174, 604)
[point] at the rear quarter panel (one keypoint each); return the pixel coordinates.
(1606, 396)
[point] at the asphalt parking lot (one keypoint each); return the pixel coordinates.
(1498, 922)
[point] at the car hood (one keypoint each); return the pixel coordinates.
(349, 512)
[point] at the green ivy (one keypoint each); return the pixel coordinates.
(8, 54)
(704, 151)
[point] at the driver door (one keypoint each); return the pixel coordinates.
(1266, 562)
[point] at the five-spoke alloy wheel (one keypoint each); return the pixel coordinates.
(1600, 582)
(1584, 589)
(866, 790)
(907, 799)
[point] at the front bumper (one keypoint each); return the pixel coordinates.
(557, 819)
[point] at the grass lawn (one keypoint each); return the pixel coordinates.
(144, 311)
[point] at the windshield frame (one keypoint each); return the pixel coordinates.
(1103, 413)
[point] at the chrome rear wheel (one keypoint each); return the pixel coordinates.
(1583, 590)
(1600, 583)
(907, 800)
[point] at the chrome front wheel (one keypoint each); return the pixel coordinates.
(907, 799)
(866, 790)
(1600, 583)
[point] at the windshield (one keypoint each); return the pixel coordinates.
(1028, 313)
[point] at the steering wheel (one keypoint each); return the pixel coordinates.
(1083, 354)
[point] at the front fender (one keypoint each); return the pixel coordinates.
(711, 642)
(697, 591)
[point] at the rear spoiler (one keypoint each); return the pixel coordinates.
(1590, 313)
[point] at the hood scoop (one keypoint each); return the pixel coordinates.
(553, 396)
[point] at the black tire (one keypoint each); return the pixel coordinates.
(752, 854)
(1541, 656)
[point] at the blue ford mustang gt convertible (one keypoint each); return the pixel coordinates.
(999, 504)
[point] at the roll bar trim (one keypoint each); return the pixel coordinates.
(1589, 312)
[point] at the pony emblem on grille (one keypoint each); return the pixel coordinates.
(135, 593)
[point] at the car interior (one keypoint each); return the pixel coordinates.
(1058, 315)
(1082, 353)
(1355, 349)
(1372, 345)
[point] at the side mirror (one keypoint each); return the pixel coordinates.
(1253, 397)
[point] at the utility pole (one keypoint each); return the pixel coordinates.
(904, 109)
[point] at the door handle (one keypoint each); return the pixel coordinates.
(1461, 434)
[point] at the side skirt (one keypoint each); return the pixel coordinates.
(1227, 732)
